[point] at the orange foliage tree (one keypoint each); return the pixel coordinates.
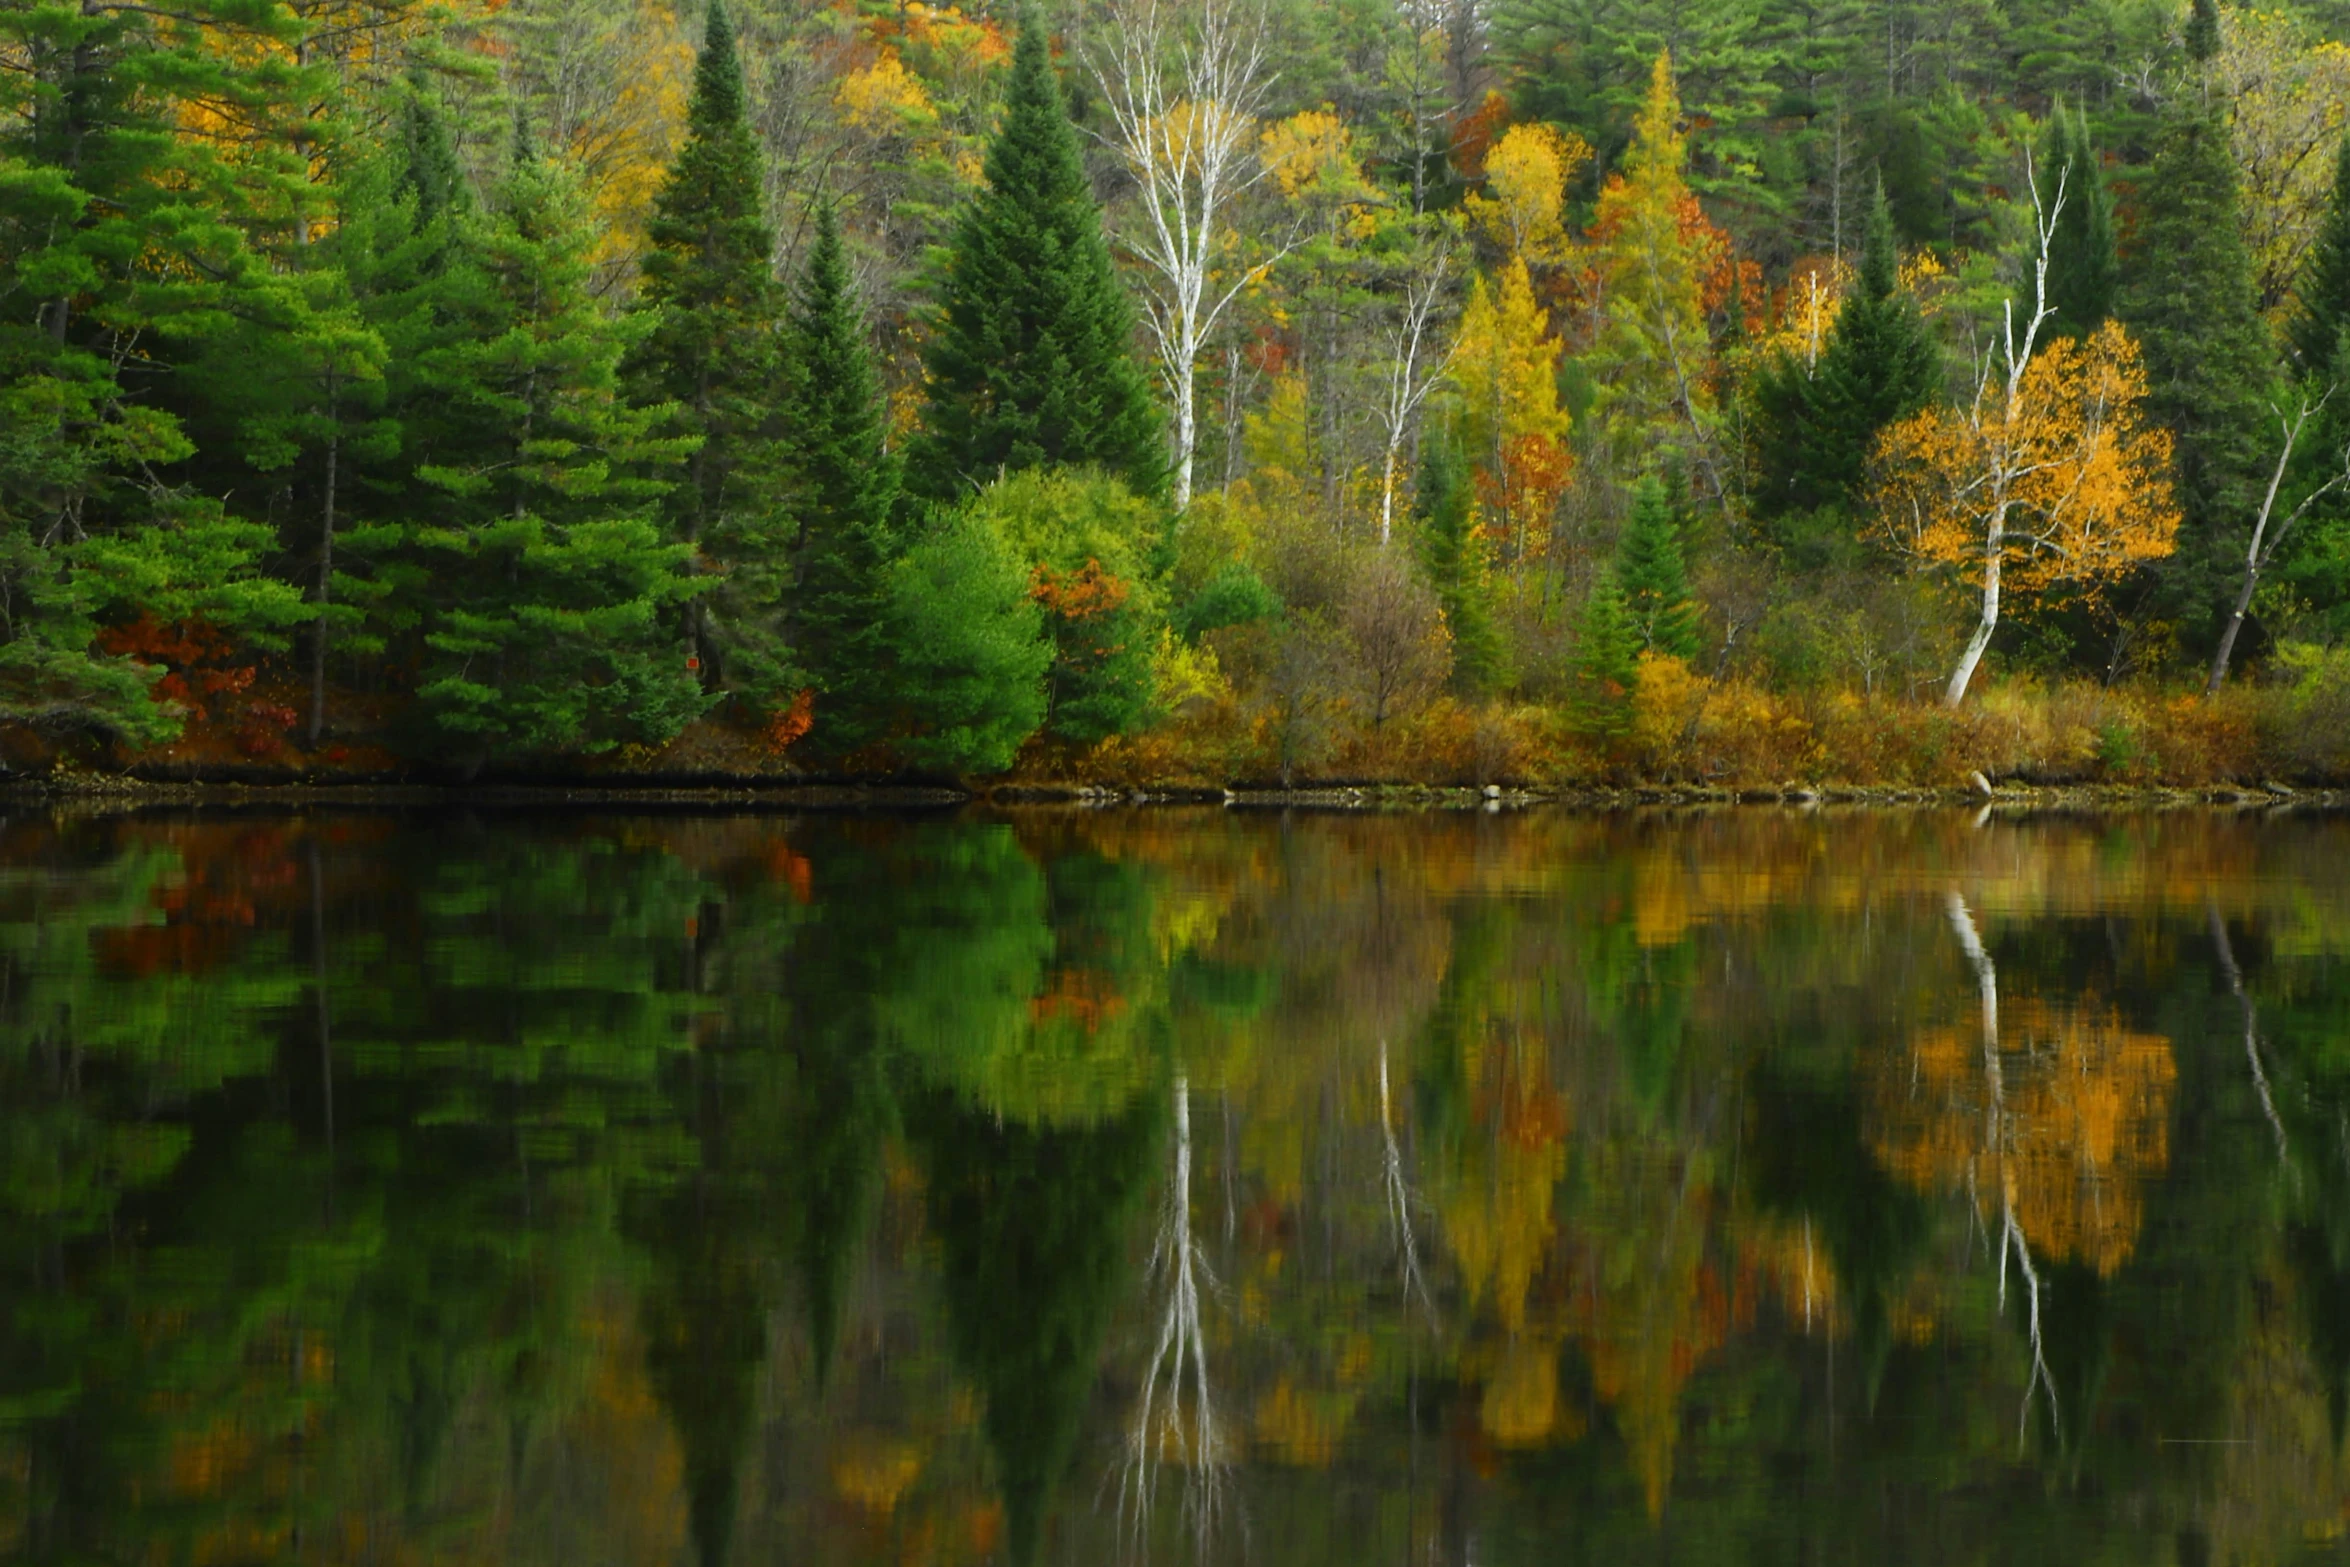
(2049, 473)
(1505, 364)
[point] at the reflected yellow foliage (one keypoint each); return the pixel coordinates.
(1300, 1426)
(2068, 1119)
(873, 1474)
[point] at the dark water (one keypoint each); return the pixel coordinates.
(1761, 1187)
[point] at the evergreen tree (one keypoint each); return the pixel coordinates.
(2321, 313)
(529, 565)
(710, 296)
(1652, 577)
(1607, 659)
(1034, 1228)
(1031, 364)
(124, 243)
(2190, 300)
(430, 173)
(2203, 31)
(1451, 556)
(2083, 271)
(844, 484)
(1879, 366)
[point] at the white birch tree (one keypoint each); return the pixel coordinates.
(1185, 85)
(2265, 543)
(1414, 369)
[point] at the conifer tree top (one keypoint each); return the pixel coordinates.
(2203, 33)
(1880, 262)
(2324, 293)
(718, 74)
(1033, 152)
(1033, 362)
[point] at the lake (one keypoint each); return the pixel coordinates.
(1174, 1185)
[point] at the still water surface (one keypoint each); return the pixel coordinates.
(1168, 1186)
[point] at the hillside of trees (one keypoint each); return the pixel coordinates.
(1178, 389)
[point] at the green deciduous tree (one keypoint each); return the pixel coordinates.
(969, 648)
(1089, 544)
(1032, 363)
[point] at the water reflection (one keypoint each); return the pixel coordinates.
(1168, 1186)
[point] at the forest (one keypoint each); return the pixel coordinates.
(1432, 390)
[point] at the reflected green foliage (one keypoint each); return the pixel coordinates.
(710, 1189)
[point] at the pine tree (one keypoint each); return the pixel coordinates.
(710, 294)
(2321, 312)
(125, 243)
(544, 594)
(1031, 364)
(2083, 272)
(1607, 659)
(1453, 558)
(1653, 578)
(844, 484)
(2203, 31)
(1879, 365)
(2189, 299)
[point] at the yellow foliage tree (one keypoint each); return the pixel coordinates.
(1505, 364)
(1526, 175)
(2049, 474)
(1312, 158)
(1653, 253)
(2288, 98)
(884, 98)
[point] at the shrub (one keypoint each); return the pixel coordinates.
(970, 650)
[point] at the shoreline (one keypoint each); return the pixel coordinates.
(132, 792)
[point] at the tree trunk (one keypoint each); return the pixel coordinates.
(1186, 431)
(2227, 638)
(1962, 676)
(326, 571)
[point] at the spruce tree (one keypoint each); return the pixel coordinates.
(1451, 557)
(843, 486)
(1607, 660)
(1653, 578)
(2321, 313)
(712, 350)
(2083, 272)
(2203, 31)
(1879, 365)
(2190, 300)
(1032, 362)
(545, 594)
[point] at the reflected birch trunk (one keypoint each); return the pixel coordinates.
(1995, 1146)
(1176, 1373)
(2227, 963)
(1401, 1199)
